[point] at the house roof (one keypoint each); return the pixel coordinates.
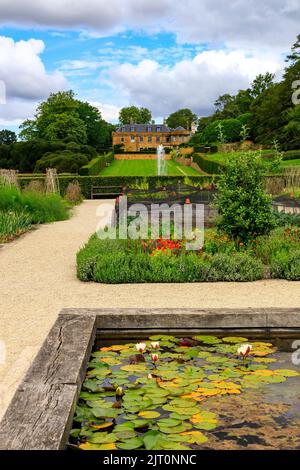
(147, 128)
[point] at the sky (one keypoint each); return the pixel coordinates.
(161, 54)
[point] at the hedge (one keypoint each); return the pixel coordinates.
(142, 151)
(209, 166)
(86, 182)
(95, 166)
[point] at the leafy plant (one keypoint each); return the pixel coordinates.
(245, 209)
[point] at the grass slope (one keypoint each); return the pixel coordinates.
(146, 168)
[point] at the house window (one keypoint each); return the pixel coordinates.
(158, 129)
(149, 138)
(149, 129)
(132, 129)
(141, 138)
(122, 139)
(157, 139)
(132, 138)
(123, 129)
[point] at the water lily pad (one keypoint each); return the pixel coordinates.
(169, 422)
(207, 339)
(105, 425)
(90, 446)
(194, 437)
(125, 434)
(176, 429)
(104, 412)
(151, 439)
(235, 339)
(134, 368)
(102, 438)
(130, 444)
(149, 414)
(286, 372)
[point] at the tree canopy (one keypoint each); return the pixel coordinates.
(63, 117)
(183, 117)
(7, 137)
(135, 115)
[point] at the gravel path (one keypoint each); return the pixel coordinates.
(38, 279)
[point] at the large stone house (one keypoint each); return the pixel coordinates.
(136, 137)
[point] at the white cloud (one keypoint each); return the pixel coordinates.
(189, 83)
(26, 78)
(240, 23)
(109, 112)
(23, 71)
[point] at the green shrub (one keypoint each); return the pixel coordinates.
(96, 165)
(240, 267)
(286, 265)
(281, 241)
(13, 223)
(65, 161)
(284, 220)
(42, 208)
(245, 210)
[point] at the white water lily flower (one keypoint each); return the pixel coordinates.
(244, 350)
(155, 345)
(141, 347)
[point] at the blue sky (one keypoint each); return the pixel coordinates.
(162, 55)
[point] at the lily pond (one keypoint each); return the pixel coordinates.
(204, 392)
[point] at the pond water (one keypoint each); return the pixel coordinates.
(199, 394)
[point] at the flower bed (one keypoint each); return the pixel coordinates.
(139, 261)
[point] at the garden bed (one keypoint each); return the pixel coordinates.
(41, 413)
(275, 256)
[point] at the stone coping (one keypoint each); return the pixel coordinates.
(41, 412)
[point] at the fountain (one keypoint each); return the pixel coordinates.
(160, 159)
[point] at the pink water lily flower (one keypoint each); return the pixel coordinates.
(154, 357)
(155, 345)
(141, 347)
(244, 350)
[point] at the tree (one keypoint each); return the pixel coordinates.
(294, 56)
(66, 127)
(7, 137)
(135, 115)
(98, 131)
(231, 131)
(63, 117)
(245, 210)
(183, 117)
(261, 84)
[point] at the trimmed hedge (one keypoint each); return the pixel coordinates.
(95, 166)
(291, 155)
(86, 182)
(209, 166)
(142, 151)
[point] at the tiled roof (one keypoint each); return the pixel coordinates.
(146, 128)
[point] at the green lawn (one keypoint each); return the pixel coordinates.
(146, 168)
(289, 163)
